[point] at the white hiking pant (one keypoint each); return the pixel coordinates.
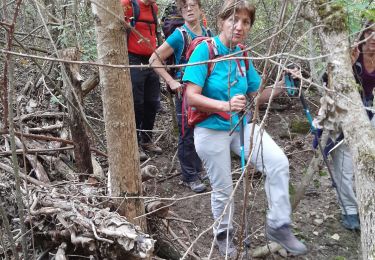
(343, 174)
(214, 147)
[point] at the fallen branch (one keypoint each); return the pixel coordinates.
(172, 162)
(37, 151)
(61, 170)
(47, 128)
(194, 256)
(60, 255)
(157, 208)
(265, 250)
(41, 115)
(40, 173)
(90, 83)
(307, 177)
(50, 138)
(91, 228)
(10, 170)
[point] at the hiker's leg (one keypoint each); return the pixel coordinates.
(138, 77)
(343, 176)
(152, 104)
(190, 162)
(268, 158)
(213, 147)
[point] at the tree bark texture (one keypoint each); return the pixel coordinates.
(118, 109)
(80, 138)
(344, 109)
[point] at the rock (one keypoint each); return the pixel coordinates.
(328, 216)
(318, 221)
(283, 253)
(316, 233)
(335, 237)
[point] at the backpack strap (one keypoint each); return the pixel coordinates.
(154, 14)
(212, 54)
(209, 32)
(157, 25)
(186, 41)
(136, 12)
(245, 54)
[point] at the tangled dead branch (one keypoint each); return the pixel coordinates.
(79, 221)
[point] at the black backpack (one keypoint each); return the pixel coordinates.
(171, 19)
(136, 13)
(135, 18)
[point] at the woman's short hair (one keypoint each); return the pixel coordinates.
(181, 3)
(234, 6)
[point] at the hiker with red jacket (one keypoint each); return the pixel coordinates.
(142, 15)
(224, 89)
(176, 45)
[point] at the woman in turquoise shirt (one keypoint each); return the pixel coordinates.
(176, 44)
(213, 143)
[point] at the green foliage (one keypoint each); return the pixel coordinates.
(316, 183)
(300, 126)
(322, 173)
(78, 31)
(356, 10)
(333, 15)
(88, 45)
(369, 14)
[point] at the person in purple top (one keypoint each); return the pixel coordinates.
(363, 60)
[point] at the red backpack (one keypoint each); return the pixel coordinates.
(195, 116)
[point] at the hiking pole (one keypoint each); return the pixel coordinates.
(325, 157)
(290, 83)
(242, 114)
(242, 140)
(246, 241)
(307, 112)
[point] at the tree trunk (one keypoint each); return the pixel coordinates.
(119, 117)
(82, 153)
(350, 115)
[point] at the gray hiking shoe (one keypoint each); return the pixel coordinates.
(284, 236)
(226, 247)
(350, 221)
(196, 186)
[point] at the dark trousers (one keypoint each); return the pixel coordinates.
(146, 96)
(190, 163)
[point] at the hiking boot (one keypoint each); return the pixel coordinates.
(196, 186)
(142, 155)
(350, 221)
(284, 236)
(226, 247)
(151, 147)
